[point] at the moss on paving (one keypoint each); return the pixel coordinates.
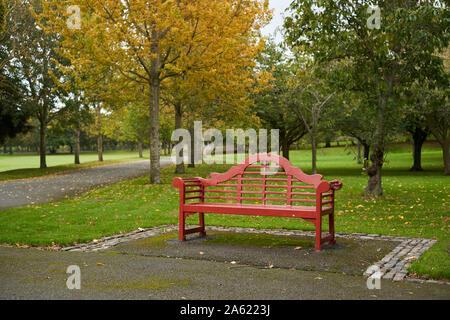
(154, 283)
(348, 256)
(258, 240)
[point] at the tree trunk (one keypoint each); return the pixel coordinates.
(419, 136)
(442, 134)
(140, 148)
(155, 92)
(191, 163)
(327, 143)
(446, 156)
(99, 135)
(358, 158)
(100, 147)
(178, 125)
(374, 187)
(314, 153)
(42, 138)
(155, 173)
(77, 145)
(285, 148)
(366, 153)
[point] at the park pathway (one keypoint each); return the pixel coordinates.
(48, 189)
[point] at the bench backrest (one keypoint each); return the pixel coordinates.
(262, 179)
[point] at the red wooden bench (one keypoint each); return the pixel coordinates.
(259, 187)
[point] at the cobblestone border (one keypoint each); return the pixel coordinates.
(393, 266)
(107, 242)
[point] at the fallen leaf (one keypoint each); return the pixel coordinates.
(99, 264)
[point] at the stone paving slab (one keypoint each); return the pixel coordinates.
(349, 256)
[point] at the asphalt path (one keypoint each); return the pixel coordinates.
(34, 274)
(19, 193)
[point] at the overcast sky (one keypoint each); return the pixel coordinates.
(277, 20)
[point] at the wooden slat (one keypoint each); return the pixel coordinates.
(221, 191)
(226, 185)
(222, 198)
(276, 192)
(268, 174)
(303, 193)
(192, 191)
(261, 185)
(289, 191)
(275, 199)
(263, 166)
(303, 200)
(260, 179)
(254, 199)
(251, 191)
(239, 188)
(189, 198)
(303, 187)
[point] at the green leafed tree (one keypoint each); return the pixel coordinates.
(390, 53)
(272, 105)
(36, 63)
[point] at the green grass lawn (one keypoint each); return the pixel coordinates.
(21, 166)
(414, 205)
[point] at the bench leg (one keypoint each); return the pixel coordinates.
(201, 221)
(181, 227)
(331, 228)
(318, 225)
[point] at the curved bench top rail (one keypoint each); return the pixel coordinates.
(290, 170)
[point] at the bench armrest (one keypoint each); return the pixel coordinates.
(180, 182)
(335, 185)
(189, 194)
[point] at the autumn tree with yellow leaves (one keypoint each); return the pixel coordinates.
(148, 42)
